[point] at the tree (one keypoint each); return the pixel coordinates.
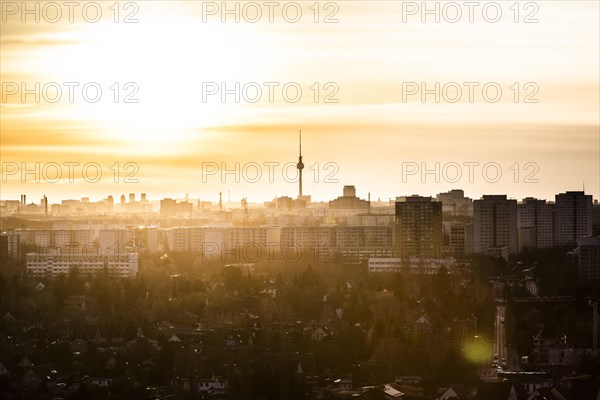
(308, 278)
(62, 355)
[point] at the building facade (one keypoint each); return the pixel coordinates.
(588, 257)
(535, 224)
(418, 227)
(572, 217)
(41, 265)
(495, 226)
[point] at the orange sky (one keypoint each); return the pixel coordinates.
(170, 55)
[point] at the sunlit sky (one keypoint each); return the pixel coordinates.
(174, 51)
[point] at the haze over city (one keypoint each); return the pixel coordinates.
(360, 122)
(299, 200)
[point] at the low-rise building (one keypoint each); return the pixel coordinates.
(40, 265)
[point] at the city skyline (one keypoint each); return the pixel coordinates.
(231, 200)
(363, 120)
(300, 200)
(436, 177)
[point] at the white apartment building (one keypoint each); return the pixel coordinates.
(40, 264)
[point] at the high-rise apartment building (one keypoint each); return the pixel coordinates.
(535, 224)
(572, 217)
(495, 226)
(418, 227)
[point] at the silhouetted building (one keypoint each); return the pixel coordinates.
(588, 258)
(284, 203)
(349, 201)
(455, 203)
(171, 208)
(535, 224)
(351, 242)
(469, 248)
(495, 226)
(239, 242)
(456, 233)
(596, 218)
(44, 205)
(10, 207)
(349, 191)
(3, 252)
(572, 217)
(418, 227)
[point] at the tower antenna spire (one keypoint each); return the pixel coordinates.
(300, 166)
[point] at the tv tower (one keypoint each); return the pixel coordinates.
(300, 167)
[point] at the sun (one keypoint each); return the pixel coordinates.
(152, 73)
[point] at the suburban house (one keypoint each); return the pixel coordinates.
(455, 392)
(390, 392)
